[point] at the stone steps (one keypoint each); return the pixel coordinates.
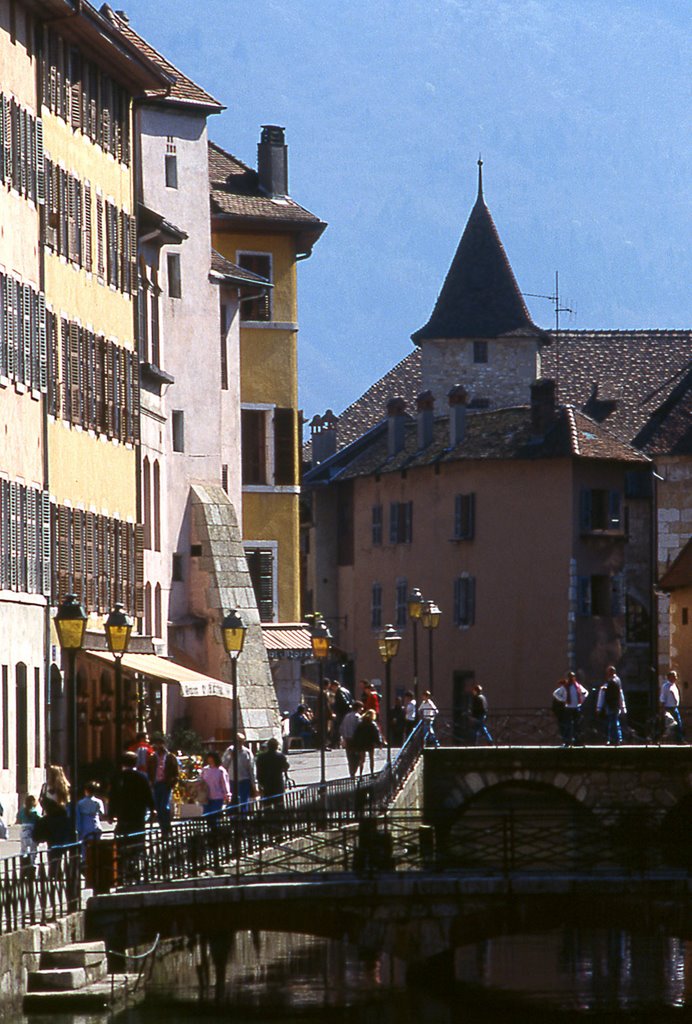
(75, 978)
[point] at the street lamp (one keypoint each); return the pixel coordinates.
(415, 607)
(321, 639)
(70, 623)
(118, 628)
(388, 642)
(233, 631)
(430, 620)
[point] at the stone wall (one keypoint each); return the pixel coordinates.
(15, 964)
(513, 365)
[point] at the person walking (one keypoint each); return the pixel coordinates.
(410, 712)
(568, 699)
(611, 704)
(215, 778)
(245, 788)
(348, 730)
(669, 700)
(27, 817)
(428, 712)
(342, 702)
(131, 800)
(90, 810)
(397, 723)
(271, 768)
(162, 771)
(479, 714)
(366, 739)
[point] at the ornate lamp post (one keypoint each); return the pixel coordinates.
(415, 607)
(430, 620)
(118, 628)
(233, 631)
(388, 643)
(321, 640)
(70, 623)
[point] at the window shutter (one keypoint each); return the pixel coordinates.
(133, 255)
(52, 57)
(7, 139)
(617, 595)
(45, 544)
(87, 241)
(408, 521)
(284, 447)
(393, 522)
(104, 564)
(456, 612)
(63, 80)
(584, 595)
(92, 383)
(65, 371)
(4, 534)
(78, 553)
(75, 396)
(135, 396)
(63, 204)
(22, 139)
(63, 553)
(52, 344)
(471, 604)
(31, 157)
(100, 384)
(3, 328)
(89, 601)
(36, 365)
(100, 270)
(32, 546)
(76, 89)
(26, 333)
(139, 570)
(40, 164)
(2, 138)
(585, 510)
(108, 376)
(14, 534)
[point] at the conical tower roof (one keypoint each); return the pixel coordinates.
(480, 297)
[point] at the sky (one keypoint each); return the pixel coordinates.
(580, 109)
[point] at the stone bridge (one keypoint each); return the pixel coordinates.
(598, 779)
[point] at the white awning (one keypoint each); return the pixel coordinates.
(192, 684)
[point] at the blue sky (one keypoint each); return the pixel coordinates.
(579, 107)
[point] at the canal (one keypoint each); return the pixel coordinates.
(564, 976)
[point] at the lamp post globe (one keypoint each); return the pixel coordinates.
(388, 642)
(415, 606)
(70, 622)
(118, 627)
(321, 641)
(233, 631)
(430, 620)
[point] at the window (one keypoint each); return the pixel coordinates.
(599, 509)
(5, 717)
(37, 718)
(261, 566)
(147, 610)
(224, 323)
(174, 280)
(177, 575)
(464, 516)
(171, 164)
(157, 507)
(480, 351)
(158, 631)
(253, 424)
(600, 595)
(178, 421)
(146, 502)
(224, 477)
(401, 604)
(637, 621)
(400, 522)
(376, 525)
(258, 263)
(685, 616)
(464, 601)
(376, 606)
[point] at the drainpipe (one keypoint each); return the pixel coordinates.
(653, 560)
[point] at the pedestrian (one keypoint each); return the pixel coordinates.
(611, 704)
(397, 723)
(218, 789)
(27, 818)
(271, 768)
(342, 702)
(567, 702)
(428, 712)
(55, 829)
(669, 700)
(162, 772)
(370, 698)
(245, 788)
(410, 711)
(348, 728)
(366, 739)
(131, 800)
(90, 810)
(479, 714)
(55, 791)
(301, 726)
(143, 749)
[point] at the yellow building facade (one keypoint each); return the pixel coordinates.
(256, 225)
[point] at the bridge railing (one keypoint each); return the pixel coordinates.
(41, 892)
(531, 727)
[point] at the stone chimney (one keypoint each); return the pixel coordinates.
(272, 161)
(396, 427)
(457, 397)
(323, 436)
(425, 418)
(543, 405)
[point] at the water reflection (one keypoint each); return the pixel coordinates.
(563, 976)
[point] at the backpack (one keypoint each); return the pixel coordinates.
(612, 696)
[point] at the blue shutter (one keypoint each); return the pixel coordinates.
(616, 595)
(393, 522)
(456, 614)
(584, 596)
(585, 510)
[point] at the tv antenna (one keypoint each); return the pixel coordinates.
(559, 308)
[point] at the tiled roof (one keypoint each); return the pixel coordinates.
(496, 434)
(632, 372)
(231, 271)
(669, 430)
(480, 297)
(183, 90)
(619, 378)
(235, 191)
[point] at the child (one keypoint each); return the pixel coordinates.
(89, 811)
(27, 818)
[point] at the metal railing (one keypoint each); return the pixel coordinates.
(41, 892)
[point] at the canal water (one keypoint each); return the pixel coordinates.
(565, 976)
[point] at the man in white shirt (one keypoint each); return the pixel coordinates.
(428, 712)
(349, 725)
(669, 700)
(410, 712)
(570, 695)
(246, 786)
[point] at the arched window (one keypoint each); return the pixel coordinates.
(157, 506)
(147, 609)
(158, 624)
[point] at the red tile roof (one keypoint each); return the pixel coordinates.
(182, 90)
